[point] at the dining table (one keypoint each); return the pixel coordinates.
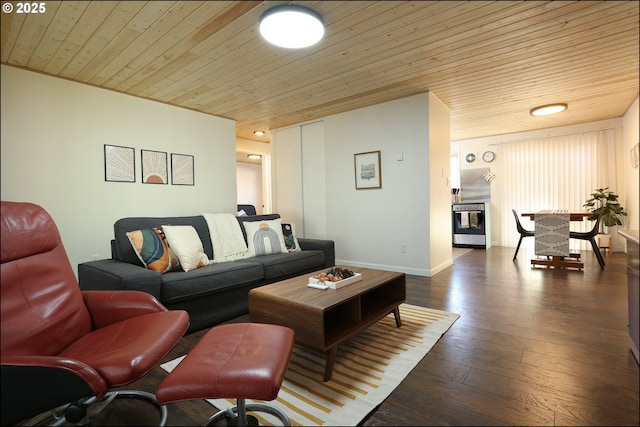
(573, 216)
(560, 259)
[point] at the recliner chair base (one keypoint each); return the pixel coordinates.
(92, 406)
(238, 412)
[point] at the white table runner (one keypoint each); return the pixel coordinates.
(552, 233)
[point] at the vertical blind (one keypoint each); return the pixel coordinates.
(551, 173)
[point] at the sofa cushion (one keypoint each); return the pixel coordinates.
(252, 218)
(265, 237)
(186, 244)
(290, 239)
(177, 286)
(151, 248)
(280, 266)
(123, 249)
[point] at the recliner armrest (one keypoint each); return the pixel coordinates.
(109, 274)
(62, 365)
(31, 372)
(107, 307)
(327, 246)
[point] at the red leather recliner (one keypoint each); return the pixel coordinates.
(62, 348)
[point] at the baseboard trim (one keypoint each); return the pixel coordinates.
(406, 270)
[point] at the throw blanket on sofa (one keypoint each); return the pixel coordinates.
(226, 237)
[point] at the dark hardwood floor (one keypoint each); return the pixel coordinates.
(532, 346)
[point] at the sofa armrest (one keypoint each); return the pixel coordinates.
(109, 274)
(327, 246)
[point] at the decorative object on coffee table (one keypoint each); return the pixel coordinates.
(336, 277)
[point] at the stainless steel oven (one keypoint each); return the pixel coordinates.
(471, 225)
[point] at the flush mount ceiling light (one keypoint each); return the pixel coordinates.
(254, 156)
(291, 26)
(258, 133)
(545, 110)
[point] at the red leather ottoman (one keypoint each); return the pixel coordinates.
(238, 360)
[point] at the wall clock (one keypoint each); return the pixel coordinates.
(488, 156)
(470, 158)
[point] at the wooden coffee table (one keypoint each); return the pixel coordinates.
(322, 319)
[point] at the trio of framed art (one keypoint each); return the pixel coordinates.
(119, 166)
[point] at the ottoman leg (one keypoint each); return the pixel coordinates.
(239, 412)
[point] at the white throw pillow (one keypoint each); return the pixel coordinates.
(186, 244)
(265, 237)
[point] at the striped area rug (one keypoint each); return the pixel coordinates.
(367, 369)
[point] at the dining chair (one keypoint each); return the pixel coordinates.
(523, 232)
(591, 237)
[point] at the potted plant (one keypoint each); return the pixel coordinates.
(605, 202)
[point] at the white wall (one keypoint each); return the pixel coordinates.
(371, 226)
(287, 173)
(52, 153)
(631, 132)
(314, 187)
(438, 186)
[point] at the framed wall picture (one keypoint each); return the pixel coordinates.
(182, 169)
(119, 164)
(154, 167)
(368, 171)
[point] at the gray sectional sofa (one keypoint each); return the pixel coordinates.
(210, 294)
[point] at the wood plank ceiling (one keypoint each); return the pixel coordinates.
(489, 62)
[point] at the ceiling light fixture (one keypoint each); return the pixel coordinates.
(291, 26)
(545, 110)
(258, 133)
(254, 156)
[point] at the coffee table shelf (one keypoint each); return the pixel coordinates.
(372, 309)
(322, 319)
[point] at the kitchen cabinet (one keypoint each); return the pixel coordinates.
(633, 284)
